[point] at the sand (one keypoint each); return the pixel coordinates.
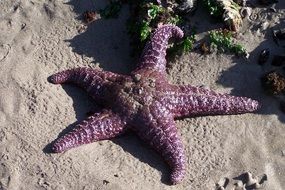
(39, 38)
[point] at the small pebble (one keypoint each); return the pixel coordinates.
(23, 26)
(105, 182)
(246, 12)
(222, 184)
(137, 77)
(265, 25)
(250, 180)
(89, 16)
(263, 56)
(187, 6)
(205, 49)
(272, 9)
(263, 179)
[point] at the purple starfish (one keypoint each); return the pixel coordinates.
(145, 103)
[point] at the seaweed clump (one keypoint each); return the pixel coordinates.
(273, 83)
(223, 40)
(227, 10)
(146, 16)
(214, 8)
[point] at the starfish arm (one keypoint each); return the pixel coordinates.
(155, 125)
(92, 80)
(100, 126)
(189, 89)
(153, 56)
(191, 101)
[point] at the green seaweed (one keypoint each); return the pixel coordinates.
(154, 10)
(186, 44)
(145, 17)
(145, 30)
(223, 40)
(213, 8)
(175, 20)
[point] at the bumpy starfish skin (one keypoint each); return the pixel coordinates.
(145, 103)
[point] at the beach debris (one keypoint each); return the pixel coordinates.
(246, 181)
(110, 11)
(273, 83)
(231, 15)
(81, 28)
(267, 2)
(223, 40)
(278, 60)
(222, 184)
(185, 45)
(205, 48)
(186, 6)
(273, 9)
(106, 182)
(89, 16)
(246, 12)
(228, 10)
(263, 56)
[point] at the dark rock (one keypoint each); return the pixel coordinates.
(89, 16)
(264, 56)
(186, 6)
(279, 34)
(106, 182)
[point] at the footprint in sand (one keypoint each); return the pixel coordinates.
(4, 51)
(9, 102)
(4, 177)
(244, 181)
